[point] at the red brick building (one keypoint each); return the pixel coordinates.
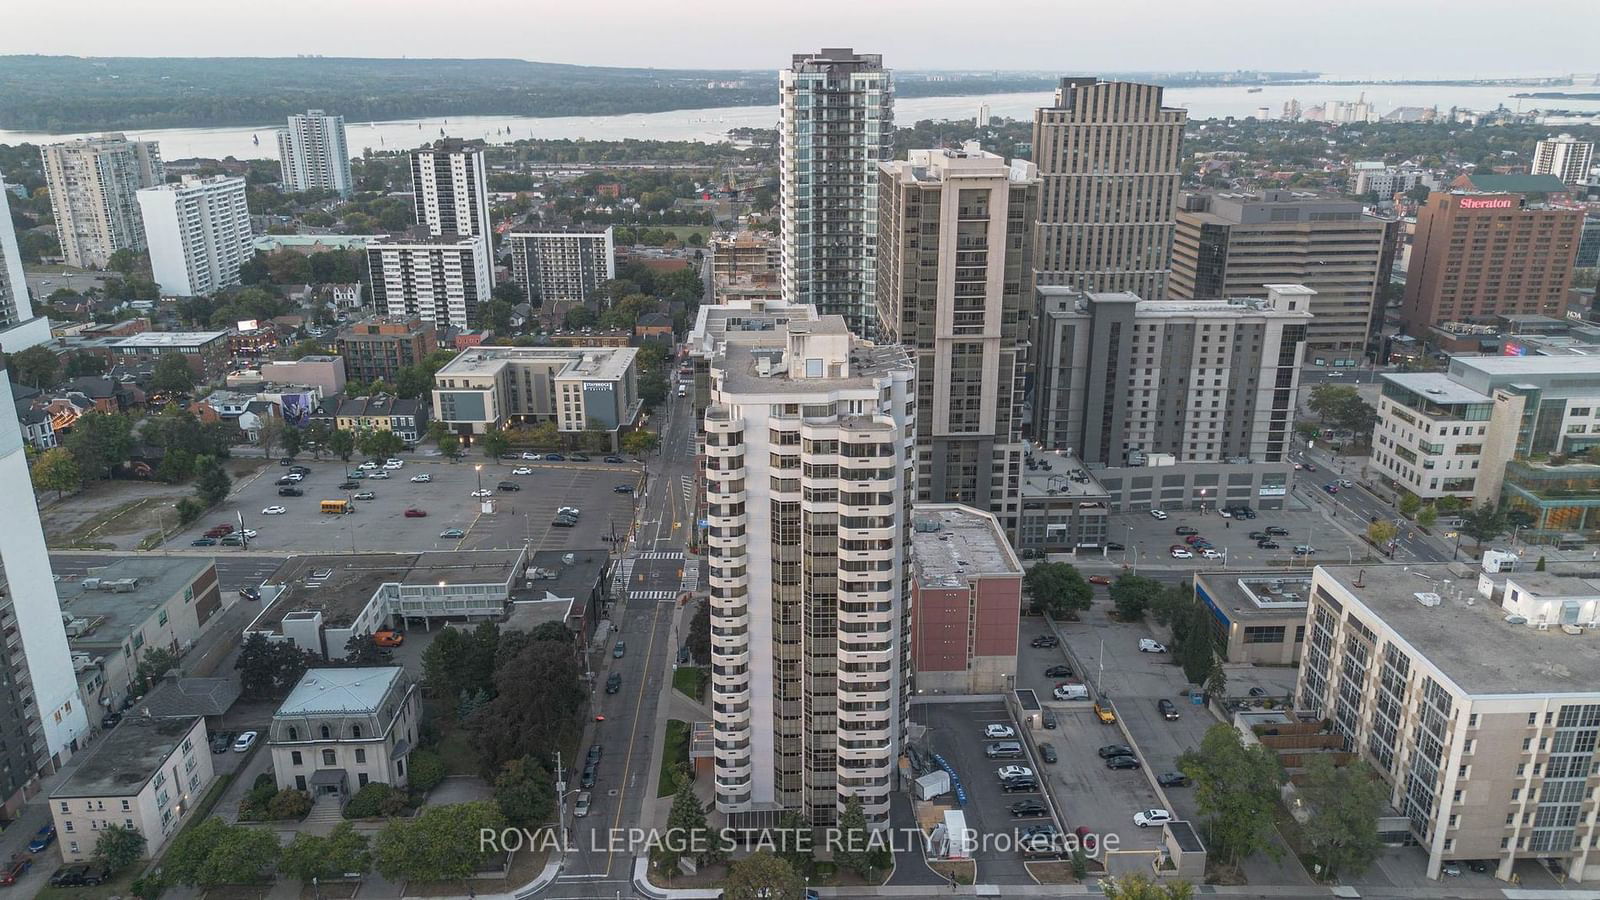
(1476, 256)
(966, 591)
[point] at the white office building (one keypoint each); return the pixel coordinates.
(810, 475)
(837, 123)
(1565, 157)
(441, 279)
(199, 233)
(93, 183)
(561, 265)
(450, 189)
(19, 327)
(313, 153)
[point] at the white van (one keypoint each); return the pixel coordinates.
(1071, 691)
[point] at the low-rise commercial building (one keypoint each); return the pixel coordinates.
(966, 593)
(577, 388)
(145, 774)
(342, 729)
(1474, 695)
(377, 348)
(206, 352)
(1063, 506)
(325, 373)
(117, 613)
(1259, 617)
(321, 602)
(405, 416)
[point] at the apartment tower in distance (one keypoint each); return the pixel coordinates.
(199, 233)
(1232, 244)
(1109, 167)
(93, 183)
(809, 442)
(19, 327)
(566, 264)
(955, 286)
(836, 125)
(450, 188)
(313, 154)
(41, 717)
(1565, 157)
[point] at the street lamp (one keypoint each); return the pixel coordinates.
(479, 469)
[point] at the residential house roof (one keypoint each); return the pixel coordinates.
(343, 690)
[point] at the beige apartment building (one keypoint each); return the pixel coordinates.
(93, 183)
(1234, 244)
(341, 729)
(955, 287)
(810, 438)
(1475, 695)
(145, 774)
(738, 253)
(1109, 157)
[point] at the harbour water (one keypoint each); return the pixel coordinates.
(713, 124)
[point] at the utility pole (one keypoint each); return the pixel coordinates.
(561, 802)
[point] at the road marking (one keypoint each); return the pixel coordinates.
(652, 595)
(633, 734)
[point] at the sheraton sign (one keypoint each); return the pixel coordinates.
(1485, 203)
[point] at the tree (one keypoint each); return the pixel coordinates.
(639, 442)
(687, 834)
(157, 662)
(315, 436)
(100, 442)
(171, 375)
(763, 876)
(449, 444)
(291, 439)
(1427, 516)
(1132, 595)
(857, 850)
(441, 843)
(525, 792)
(212, 853)
(56, 470)
(1449, 505)
(1343, 828)
(1139, 887)
(544, 434)
(269, 434)
(126, 261)
(1540, 565)
(495, 443)
(539, 696)
(1307, 430)
(579, 317)
(343, 850)
(289, 804)
(427, 770)
(1380, 533)
(1483, 523)
(376, 444)
(268, 669)
(699, 638)
(1236, 787)
(342, 443)
(80, 365)
(1057, 589)
(1409, 504)
(119, 847)
(212, 483)
(462, 661)
(363, 650)
(34, 366)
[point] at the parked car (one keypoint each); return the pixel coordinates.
(378, 476)
(1168, 709)
(1267, 545)
(1152, 817)
(394, 463)
(1007, 772)
(452, 534)
(388, 638)
(1147, 645)
(1086, 838)
(580, 807)
(587, 778)
(1028, 809)
(1277, 530)
(44, 837)
(15, 868)
(365, 495)
(1208, 553)
(622, 489)
(203, 542)
(1045, 640)
(614, 683)
(1158, 514)
(368, 466)
(619, 650)
(1194, 539)
(595, 752)
(110, 719)
(554, 457)
(423, 478)
(348, 485)
(1186, 529)
(568, 511)
(1111, 750)
(414, 513)
(290, 492)
(1099, 579)
(614, 460)
(578, 457)
(562, 522)
(1061, 671)
(1047, 752)
(250, 593)
(1114, 547)
(274, 511)
(244, 742)
(1304, 550)
(1258, 692)
(522, 470)
(80, 875)
(1048, 718)
(509, 486)
(528, 455)
(1105, 715)
(1020, 786)
(995, 732)
(232, 540)
(482, 492)
(1122, 762)
(221, 741)
(1258, 536)
(1180, 553)
(1172, 779)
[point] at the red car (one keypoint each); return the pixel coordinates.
(220, 531)
(415, 513)
(1099, 579)
(15, 868)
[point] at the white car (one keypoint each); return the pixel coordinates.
(530, 455)
(999, 731)
(1345, 482)
(274, 511)
(1225, 514)
(1209, 553)
(581, 807)
(377, 476)
(1147, 645)
(424, 478)
(1014, 772)
(367, 466)
(481, 492)
(249, 533)
(295, 477)
(393, 463)
(244, 742)
(522, 470)
(1158, 514)
(1182, 554)
(568, 511)
(1152, 817)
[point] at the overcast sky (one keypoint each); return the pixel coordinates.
(1411, 38)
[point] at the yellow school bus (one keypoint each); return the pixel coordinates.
(336, 507)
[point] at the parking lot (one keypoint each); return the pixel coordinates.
(525, 515)
(955, 731)
(1148, 540)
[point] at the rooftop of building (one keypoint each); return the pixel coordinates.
(1055, 473)
(565, 573)
(951, 543)
(1437, 387)
(416, 237)
(1439, 612)
(934, 166)
(1517, 184)
(1512, 366)
(169, 338)
(387, 325)
(119, 598)
(600, 363)
(125, 758)
(1243, 596)
(341, 691)
(340, 586)
(563, 231)
(757, 362)
(1065, 300)
(712, 323)
(178, 697)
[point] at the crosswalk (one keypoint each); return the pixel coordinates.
(661, 554)
(652, 595)
(619, 577)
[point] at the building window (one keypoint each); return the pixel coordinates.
(326, 733)
(294, 733)
(295, 759)
(327, 757)
(355, 731)
(361, 755)
(361, 779)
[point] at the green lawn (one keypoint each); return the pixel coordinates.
(674, 750)
(460, 757)
(690, 681)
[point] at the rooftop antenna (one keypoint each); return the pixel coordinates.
(1360, 574)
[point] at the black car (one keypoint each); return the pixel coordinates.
(1047, 753)
(1246, 513)
(1019, 786)
(79, 874)
(561, 522)
(614, 683)
(1058, 672)
(1049, 719)
(1277, 530)
(286, 480)
(290, 492)
(509, 486)
(1122, 762)
(587, 778)
(1045, 640)
(1258, 536)
(1029, 809)
(614, 460)
(1114, 547)
(622, 489)
(300, 470)
(285, 461)
(110, 719)
(595, 753)
(1267, 545)
(1172, 779)
(1186, 530)
(1111, 750)
(348, 485)
(203, 542)
(1169, 710)
(1258, 692)
(578, 457)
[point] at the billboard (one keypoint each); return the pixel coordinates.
(244, 325)
(297, 409)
